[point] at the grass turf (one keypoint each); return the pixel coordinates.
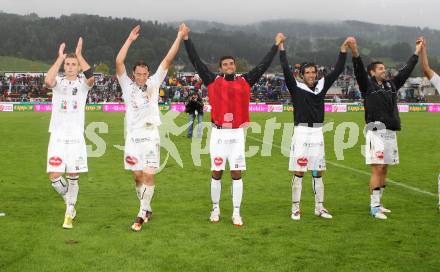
(180, 237)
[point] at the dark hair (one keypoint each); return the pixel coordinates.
(305, 65)
(140, 63)
(225, 58)
(372, 66)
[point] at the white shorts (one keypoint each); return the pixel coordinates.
(307, 149)
(381, 147)
(142, 149)
(67, 153)
(227, 144)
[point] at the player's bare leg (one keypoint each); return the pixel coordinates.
(377, 177)
(318, 189)
(216, 188)
(296, 195)
(145, 190)
(237, 194)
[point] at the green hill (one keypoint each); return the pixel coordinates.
(8, 64)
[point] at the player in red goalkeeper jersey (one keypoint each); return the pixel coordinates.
(229, 95)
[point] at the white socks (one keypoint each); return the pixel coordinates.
(296, 192)
(216, 189)
(318, 189)
(60, 185)
(145, 194)
(237, 194)
(72, 194)
(68, 190)
(375, 198)
(382, 189)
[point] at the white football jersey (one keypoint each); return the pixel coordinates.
(142, 102)
(435, 80)
(68, 105)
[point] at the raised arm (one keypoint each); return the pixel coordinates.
(50, 79)
(288, 77)
(359, 68)
(166, 62)
(429, 73)
(85, 67)
(255, 74)
(405, 72)
(339, 66)
(120, 58)
(207, 76)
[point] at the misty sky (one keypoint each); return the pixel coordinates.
(422, 13)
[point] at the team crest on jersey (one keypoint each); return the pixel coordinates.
(239, 159)
(79, 161)
(150, 155)
(145, 96)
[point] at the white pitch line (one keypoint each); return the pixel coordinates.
(403, 185)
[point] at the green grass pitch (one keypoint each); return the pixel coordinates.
(180, 238)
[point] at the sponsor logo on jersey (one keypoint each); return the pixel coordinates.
(302, 161)
(150, 162)
(131, 160)
(379, 154)
(55, 161)
(78, 168)
(70, 141)
(313, 144)
(140, 140)
(218, 161)
(231, 141)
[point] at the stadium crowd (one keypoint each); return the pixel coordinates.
(29, 87)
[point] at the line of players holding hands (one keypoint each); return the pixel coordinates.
(229, 96)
